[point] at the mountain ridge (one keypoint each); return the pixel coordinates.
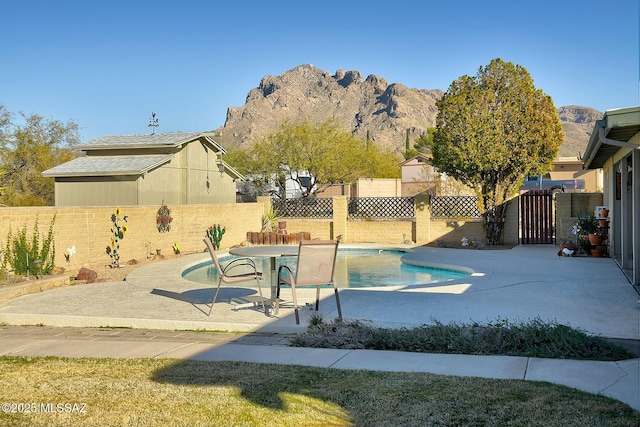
(370, 107)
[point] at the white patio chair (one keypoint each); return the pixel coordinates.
(315, 266)
(225, 273)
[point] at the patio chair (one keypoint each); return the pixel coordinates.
(225, 276)
(315, 266)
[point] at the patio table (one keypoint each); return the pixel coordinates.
(269, 251)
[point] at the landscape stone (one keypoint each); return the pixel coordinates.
(86, 274)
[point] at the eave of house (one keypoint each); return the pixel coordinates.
(611, 134)
(234, 174)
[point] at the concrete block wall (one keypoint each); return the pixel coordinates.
(570, 206)
(387, 231)
(89, 228)
(511, 230)
(452, 232)
(318, 228)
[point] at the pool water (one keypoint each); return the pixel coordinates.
(355, 268)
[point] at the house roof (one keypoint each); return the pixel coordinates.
(158, 140)
(420, 158)
(611, 134)
(131, 164)
(109, 165)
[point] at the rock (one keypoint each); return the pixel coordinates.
(133, 262)
(57, 271)
(86, 274)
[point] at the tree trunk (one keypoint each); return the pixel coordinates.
(493, 223)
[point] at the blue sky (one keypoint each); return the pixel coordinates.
(108, 64)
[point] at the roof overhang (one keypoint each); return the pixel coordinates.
(232, 172)
(611, 134)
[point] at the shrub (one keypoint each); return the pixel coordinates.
(534, 338)
(20, 252)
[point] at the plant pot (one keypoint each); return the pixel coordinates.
(603, 222)
(595, 239)
(282, 227)
(604, 213)
(596, 253)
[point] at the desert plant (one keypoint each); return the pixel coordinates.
(215, 234)
(269, 221)
(20, 252)
(533, 338)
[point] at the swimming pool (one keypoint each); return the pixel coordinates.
(355, 268)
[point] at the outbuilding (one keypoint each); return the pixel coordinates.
(129, 170)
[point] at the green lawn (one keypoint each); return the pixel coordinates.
(163, 392)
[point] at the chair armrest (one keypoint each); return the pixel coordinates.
(239, 263)
(289, 272)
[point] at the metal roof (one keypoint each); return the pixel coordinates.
(610, 134)
(108, 165)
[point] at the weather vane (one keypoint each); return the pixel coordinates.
(153, 123)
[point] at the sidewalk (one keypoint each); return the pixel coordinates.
(523, 283)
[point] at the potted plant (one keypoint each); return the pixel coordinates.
(596, 252)
(269, 221)
(589, 226)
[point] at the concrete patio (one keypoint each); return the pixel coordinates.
(522, 283)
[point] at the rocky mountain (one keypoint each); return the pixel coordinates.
(578, 123)
(364, 105)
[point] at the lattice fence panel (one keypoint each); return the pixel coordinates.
(381, 208)
(455, 207)
(303, 208)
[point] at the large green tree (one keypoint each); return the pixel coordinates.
(492, 130)
(322, 152)
(26, 150)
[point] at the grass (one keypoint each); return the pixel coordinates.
(162, 392)
(534, 338)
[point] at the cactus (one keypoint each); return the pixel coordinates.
(215, 233)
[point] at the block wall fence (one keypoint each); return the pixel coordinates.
(571, 206)
(89, 228)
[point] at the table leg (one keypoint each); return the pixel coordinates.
(274, 280)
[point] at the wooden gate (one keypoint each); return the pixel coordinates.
(536, 217)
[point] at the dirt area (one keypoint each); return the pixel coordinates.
(105, 274)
